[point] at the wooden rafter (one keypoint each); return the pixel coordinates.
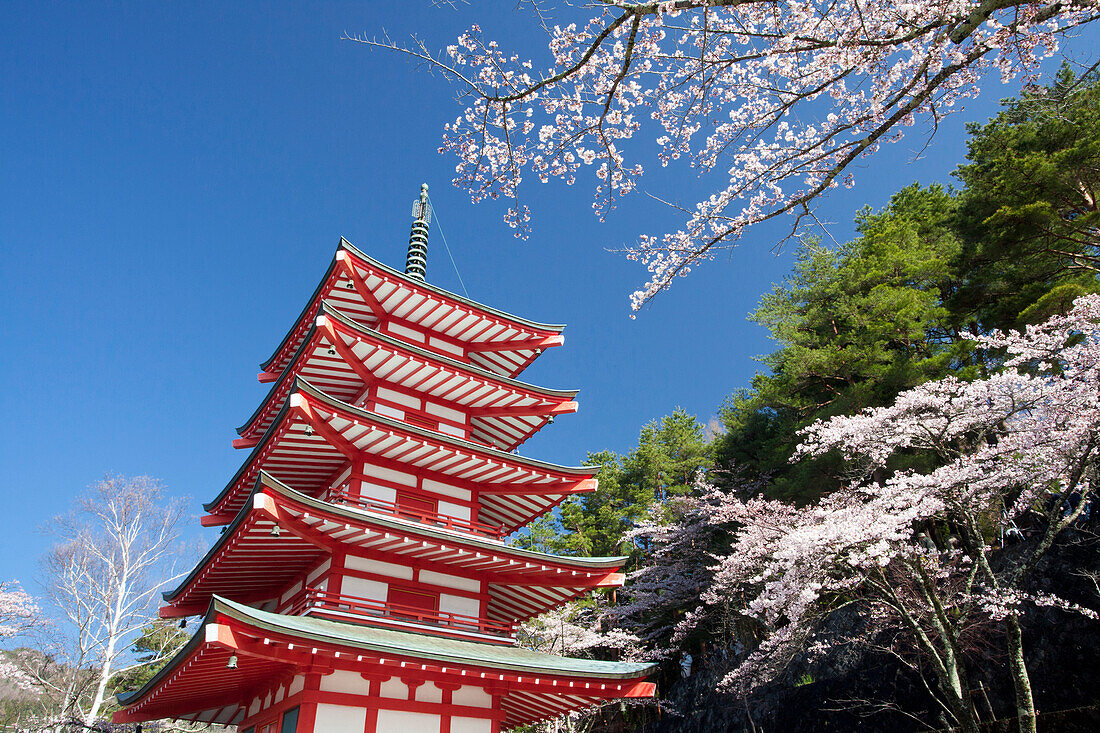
(361, 287)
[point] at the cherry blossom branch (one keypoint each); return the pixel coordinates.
(782, 97)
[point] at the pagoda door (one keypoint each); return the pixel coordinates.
(413, 604)
(420, 507)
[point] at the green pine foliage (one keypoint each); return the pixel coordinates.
(156, 645)
(1028, 215)
(670, 452)
(855, 324)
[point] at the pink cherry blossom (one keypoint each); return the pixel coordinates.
(916, 550)
(18, 611)
(772, 100)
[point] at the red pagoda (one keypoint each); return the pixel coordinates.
(361, 581)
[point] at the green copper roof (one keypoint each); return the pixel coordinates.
(400, 644)
(427, 646)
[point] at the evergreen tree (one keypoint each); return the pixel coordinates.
(1028, 215)
(156, 644)
(855, 325)
(669, 454)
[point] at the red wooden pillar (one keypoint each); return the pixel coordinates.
(307, 713)
(498, 698)
(448, 689)
(374, 690)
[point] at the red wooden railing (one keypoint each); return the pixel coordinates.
(342, 496)
(318, 602)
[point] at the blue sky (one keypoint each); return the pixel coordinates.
(173, 182)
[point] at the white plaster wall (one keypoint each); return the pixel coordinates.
(471, 725)
(345, 681)
(399, 721)
(450, 581)
(428, 692)
(399, 397)
(371, 589)
(395, 688)
(454, 510)
(389, 411)
(473, 696)
(374, 491)
(340, 719)
(446, 489)
(445, 345)
(398, 477)
(393, 570)
(441, 411)
(297, 685)
(452, 430)
(459, 604)
(403, 332)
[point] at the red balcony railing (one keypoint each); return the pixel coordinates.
(342, 496)
(322, 603)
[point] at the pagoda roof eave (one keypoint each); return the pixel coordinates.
(301, 386)
(210, 506)
(346, 246)
(389, 644)
(554, 327)
(460, 443)
(444, 535)
(284, 376)
(397, 524)
(429, 647)
(197, 639)
(305, 312)
(330, 311)
(224, 538)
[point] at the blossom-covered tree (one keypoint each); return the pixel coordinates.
(682, 537)
(777, 98)
(677, 536)
(920, 552)
(18, 612)
(574, 629)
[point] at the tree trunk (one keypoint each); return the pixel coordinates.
(1025, 703)
(956, 690)
(101, 688)
(109, 653)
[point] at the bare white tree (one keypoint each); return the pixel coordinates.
(115, 552)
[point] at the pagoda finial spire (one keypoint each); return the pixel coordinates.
(416, 263)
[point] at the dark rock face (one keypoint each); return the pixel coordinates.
(841, 700)
(861, 690)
